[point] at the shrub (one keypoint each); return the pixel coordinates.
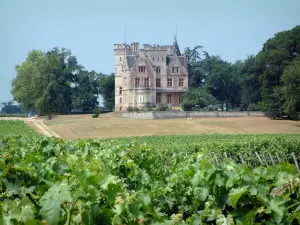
(187, 106)
(96, 113)
(132, 109)
(212, 108)
(253, 107)
(162, 107)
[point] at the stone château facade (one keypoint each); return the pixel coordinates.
(150, 76)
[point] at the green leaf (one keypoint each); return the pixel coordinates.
(112, 191)
(222, 220)
(277, 209)
(134, 209)
(196, 179)
(51, 202)
(235, 194)
(201, 193)
(247, 219)
(27, 213)
(146, 199)
(33, 222)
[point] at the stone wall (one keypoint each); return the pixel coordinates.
(138, 115)
(194, 114)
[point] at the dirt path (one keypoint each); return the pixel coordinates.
(41, 127)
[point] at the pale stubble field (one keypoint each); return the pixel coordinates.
(114, 125)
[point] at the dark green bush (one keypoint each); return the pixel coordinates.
(132, 109)
(162, 107)
(96, 113)
(187, 106)
(253, 107)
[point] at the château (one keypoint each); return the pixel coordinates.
(149, 76)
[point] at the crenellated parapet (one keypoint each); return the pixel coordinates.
(155, 47)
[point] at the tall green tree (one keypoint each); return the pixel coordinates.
(222, 80)
(28, 84)
(277, 53)
(107, 90)
(44, 82)
(250, 84)
(86, 91)
(290, 89)
(10, 108)
(195, 67)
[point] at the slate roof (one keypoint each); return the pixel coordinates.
(170, 57)
(131, 59)
(181, 59)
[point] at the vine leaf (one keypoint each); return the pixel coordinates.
(51, 202)
(277, 208)
(235, 194)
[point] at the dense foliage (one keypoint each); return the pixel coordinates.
(123, 181)
(267, 81)
(54, 82)
(15, 127)
(10, 108)
(107, 90)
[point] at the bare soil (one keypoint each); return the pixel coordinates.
(114, 125)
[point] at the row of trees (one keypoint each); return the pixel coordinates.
(269, 81)
(10, 108)
(54, 82)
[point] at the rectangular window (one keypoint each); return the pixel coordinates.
(120, 91)
(136, 82)
(142, 69)
(158, 98)
(169, 98)
(146, 80)
(157, 70)
(120, 108)
(120, 100)
(157, 82)
(169, 82)
(180, 99)
(142, 99)
(180, 82)
(174, 69)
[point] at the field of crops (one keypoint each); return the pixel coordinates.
(150, 180)
(15, 127)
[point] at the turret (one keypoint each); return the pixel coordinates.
(135, 48)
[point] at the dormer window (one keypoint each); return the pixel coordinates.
(142, 69)
(174, 69)
(157, 70)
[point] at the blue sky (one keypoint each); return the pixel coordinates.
(232, 29)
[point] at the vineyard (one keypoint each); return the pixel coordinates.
(15, 127)
(150, 180)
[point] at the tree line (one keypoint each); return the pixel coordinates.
(53, 82)
(268, 81)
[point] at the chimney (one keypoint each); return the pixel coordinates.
(135, 47)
